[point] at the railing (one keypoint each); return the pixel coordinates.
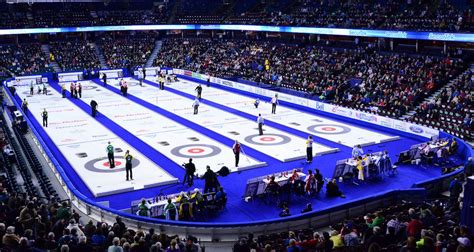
(212, 231)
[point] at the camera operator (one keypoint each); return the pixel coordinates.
(190, 170)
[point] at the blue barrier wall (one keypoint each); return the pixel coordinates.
(413, 194)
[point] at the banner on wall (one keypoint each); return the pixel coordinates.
(326, 107)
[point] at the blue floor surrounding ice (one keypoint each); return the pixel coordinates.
(237, 209)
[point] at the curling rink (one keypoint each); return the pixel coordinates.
(161, 132)
(323, 127)
(275, 143)
(83, 141)
(172, 139)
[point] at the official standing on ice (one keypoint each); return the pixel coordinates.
(128, 164)
(309, 149)
(196, 106)
(236, 149)
(260, 123)
(110, 155)
(274, 103)
(24, 105)
(44, 114)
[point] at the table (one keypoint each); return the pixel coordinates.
(417, 150)
(345, 166)
(256, 186)
(281, 180)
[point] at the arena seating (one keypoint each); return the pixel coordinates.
(362, 78)
(45, 15)
(435, 91)
(123, 52)
(75, 55)
(387, 229)
(24, 59)
(413, 15)
(18, 162)
(451, 110)
(56, 227)
(33, 161)
(421, 15)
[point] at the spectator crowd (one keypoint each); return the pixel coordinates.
(392, 15)
(75, 55)
(23, 59)
(32, 224)
(400, 227)
(125, 52)
(449, 15)
(361, 78)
